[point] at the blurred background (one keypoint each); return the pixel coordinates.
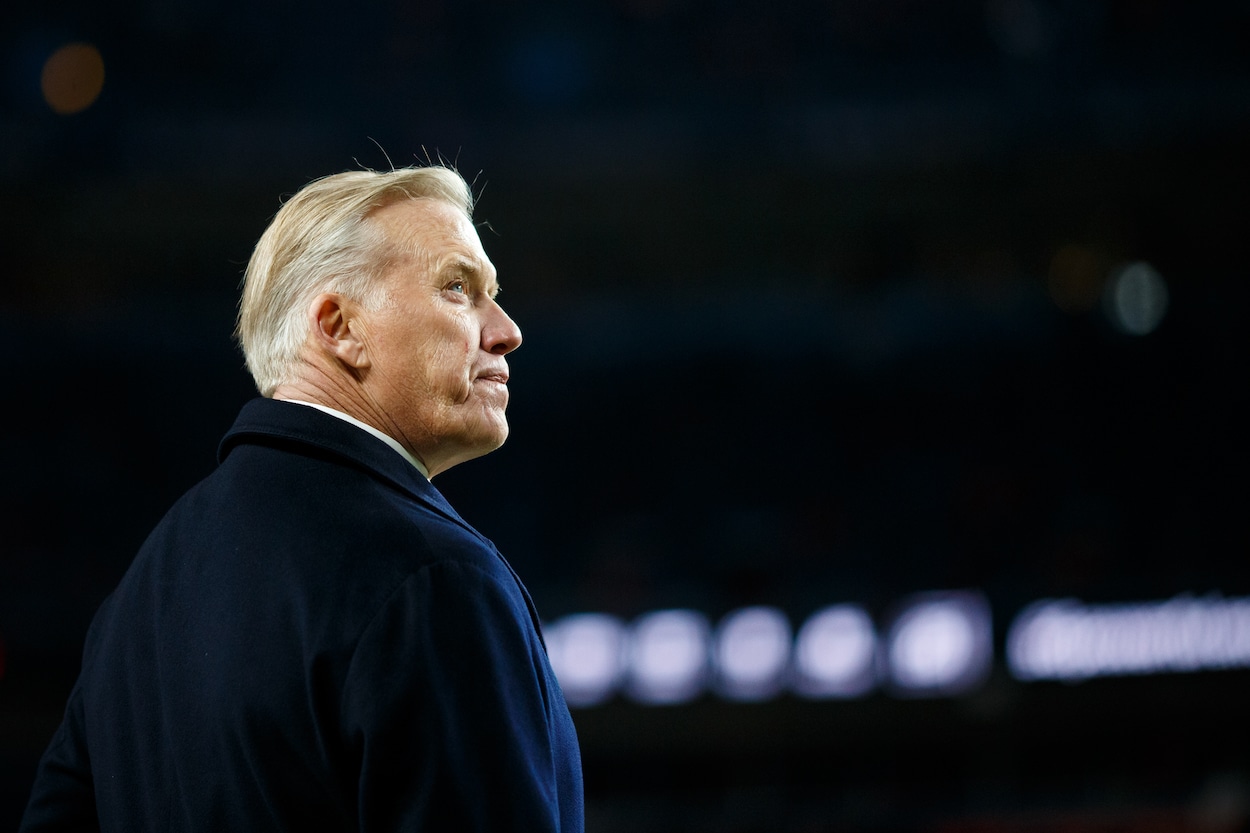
(877, 455)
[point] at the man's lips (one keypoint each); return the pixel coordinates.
(498, 376)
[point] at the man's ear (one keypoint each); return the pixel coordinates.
(336, 329)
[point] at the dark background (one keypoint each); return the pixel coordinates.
(811, 302)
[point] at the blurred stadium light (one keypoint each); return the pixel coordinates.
(937, 644)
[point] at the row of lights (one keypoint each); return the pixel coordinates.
(933, 644)
(930, 645)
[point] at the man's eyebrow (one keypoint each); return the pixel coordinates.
(469, 268)
(458, 263)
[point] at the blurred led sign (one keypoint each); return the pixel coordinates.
(1066, 640)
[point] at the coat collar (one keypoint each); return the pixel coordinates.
(271, 421)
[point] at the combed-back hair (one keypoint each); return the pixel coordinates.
(321, 240)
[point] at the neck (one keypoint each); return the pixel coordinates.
(347, 396)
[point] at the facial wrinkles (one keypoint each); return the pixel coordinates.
(479, 280)
(439, 338)
(429, 339)
(449, 399)
(395, 389)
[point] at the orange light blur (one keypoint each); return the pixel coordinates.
(72, 78)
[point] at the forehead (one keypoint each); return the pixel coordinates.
(437, 233)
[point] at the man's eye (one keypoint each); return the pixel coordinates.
(457, 286)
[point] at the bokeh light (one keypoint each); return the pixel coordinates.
(72, 78)
(751, 653)
(834, 653)
(1136, 298)
(939, 644)
(587, 655)
(668, 656)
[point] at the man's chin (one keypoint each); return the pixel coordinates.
(485, 439)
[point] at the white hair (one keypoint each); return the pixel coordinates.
(321, 240)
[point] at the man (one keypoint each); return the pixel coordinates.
(312, 639)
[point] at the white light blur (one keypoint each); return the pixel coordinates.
(751, 653)
(939, 644)
(1065, 640)
(586, 651)
(1137, 298)
(668, 656)
(834, 653)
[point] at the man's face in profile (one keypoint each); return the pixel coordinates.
(437, 349)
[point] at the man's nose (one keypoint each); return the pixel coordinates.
(501, 335)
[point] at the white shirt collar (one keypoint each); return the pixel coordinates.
(386, 438)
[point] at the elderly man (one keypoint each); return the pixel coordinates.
(312, 639)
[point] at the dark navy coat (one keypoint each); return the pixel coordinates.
(313, 640)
